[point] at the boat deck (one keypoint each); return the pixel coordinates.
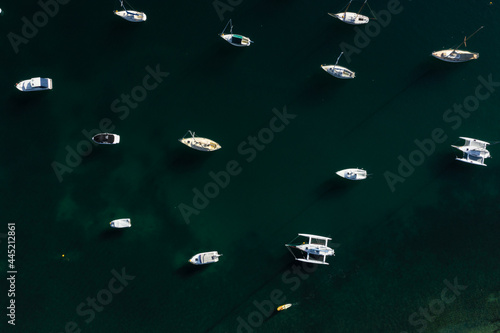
(104, 138)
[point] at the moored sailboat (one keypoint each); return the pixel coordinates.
(456, 55)
(130, 15)
(199, 143)
(350, 17)
(339, 71)
(233, 39)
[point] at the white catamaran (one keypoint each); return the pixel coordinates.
(233, 39)
(350, 17)
(474, 151)
(456, 55)
(339, 71)
(316, 249)
(199, 143)
(130, 15)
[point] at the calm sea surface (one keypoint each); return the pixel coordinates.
(416, 253)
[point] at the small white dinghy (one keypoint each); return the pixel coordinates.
(131, 15)
(233, 39)
(106, 138)
(120, 223)
(352, 174)
(199, 143)
(205, 258)
(339, 71)
(455, 55)
(35, 84)
(350, 17)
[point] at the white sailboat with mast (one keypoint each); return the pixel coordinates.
(350, 17)
(199, 143)
(233, 39)
(456, 55)
(130, 15)
(339, 71)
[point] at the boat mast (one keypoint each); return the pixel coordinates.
(361, 7)
(466, 38)
(347, 8)
(222, 33)
(121, 3)
(339, 58)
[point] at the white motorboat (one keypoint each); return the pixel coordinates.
(339, 71)
(456, 55)
(350, 17)
(474, 151)
(352, 174)
(106, 139)
(233, 39)
(199, 143)
(120, 223)
(316, 249)
(284, 307)
(131, 15)
(205, 258)
(35, 84)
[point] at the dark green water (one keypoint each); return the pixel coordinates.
(394, 249)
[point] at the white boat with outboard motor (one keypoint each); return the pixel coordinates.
(350, 17)
(35, 84)
(121, 223)
(130, 15)
(233, 39)
(199, 143)
(205, 258)
(316, 249)
(456, 55)
(106, 138)
(352, 174)
(339, 71)
(474, 151)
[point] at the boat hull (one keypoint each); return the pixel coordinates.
(455, 55)
(106, 139)
(352, 174)
(339, 72)
(236, 40)
(205, 258)
(283, 307)
(351, 18)
(201, 144)
(120, 223)
(35, 84)
(131, 15)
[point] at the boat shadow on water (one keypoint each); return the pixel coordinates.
(334, 187)
(185, 159)
(189, 270)
(431, 71)
(24, 101)
(110, 234)
(319, 87)
(217, 58)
